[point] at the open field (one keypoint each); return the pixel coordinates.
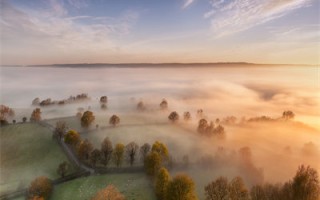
(135, 186)
(27, 151)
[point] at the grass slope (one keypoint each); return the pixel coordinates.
(27, 151)
(135, 186)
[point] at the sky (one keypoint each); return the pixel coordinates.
(159, 31)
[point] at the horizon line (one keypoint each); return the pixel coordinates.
(155, 63)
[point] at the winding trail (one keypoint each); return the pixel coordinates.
(73, 158)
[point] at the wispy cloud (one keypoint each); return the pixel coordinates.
(53, 30)
(229, 17)
(187, 3)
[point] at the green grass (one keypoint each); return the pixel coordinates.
(135, 186)
(27, 151)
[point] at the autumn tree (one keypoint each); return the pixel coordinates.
(144, 150)
(60, 129)
(173, 117)
(84, 150)
(164, 104)
(72, 137)
(95, 156)
(87, 119)
(108, 193)
(36, 115)
(40, 187)
(257, 193)
(217, 190)
(117, 154)
(114, 120)
(131, 152)
(161, 149)
(161, 184)
(106, 151)
(238, 190)
(186, 116)
(152, 163)
(63, 168)
(305, 184)
(181, 188)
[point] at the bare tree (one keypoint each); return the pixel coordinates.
(131, 151)
(106, 151)
(144, 150)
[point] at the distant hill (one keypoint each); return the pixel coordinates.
(156, 65)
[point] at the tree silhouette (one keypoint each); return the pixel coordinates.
(114, 120)
(87, 119)
(36, 115)
(131, 152)
(164, 104)
(106, 151)
(173, 117)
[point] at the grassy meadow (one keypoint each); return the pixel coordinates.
(135, 186)
(27, 151)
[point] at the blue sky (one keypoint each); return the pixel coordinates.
(122, 31)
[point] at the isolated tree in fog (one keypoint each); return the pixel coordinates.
(60, 129)
(24, 119)
(200, 113)
(36, 102)
(114, 120)
(152, 163)
(106, 151)
(87, 119)
(161, 185)
(36, 115)
(181, 188)
(202, 126)
(217, 190)
(63, 168)
(103, 102)
(144, 150)
(40, 187)
(103, 99)
(108, 193)
(141, 106)
(305, 184)
(173, 117)
(117, 154)
(161, 149)
(72, 137)
(164, 104)
(287, 115)
(131, 152)
(84, 150)
(95, 157)
(186, 116)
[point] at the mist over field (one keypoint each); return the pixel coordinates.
(276, 149)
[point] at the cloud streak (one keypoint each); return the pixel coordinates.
(187, 3)
(229, 17)
(54, 30)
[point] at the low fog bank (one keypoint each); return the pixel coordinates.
(258, 151)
